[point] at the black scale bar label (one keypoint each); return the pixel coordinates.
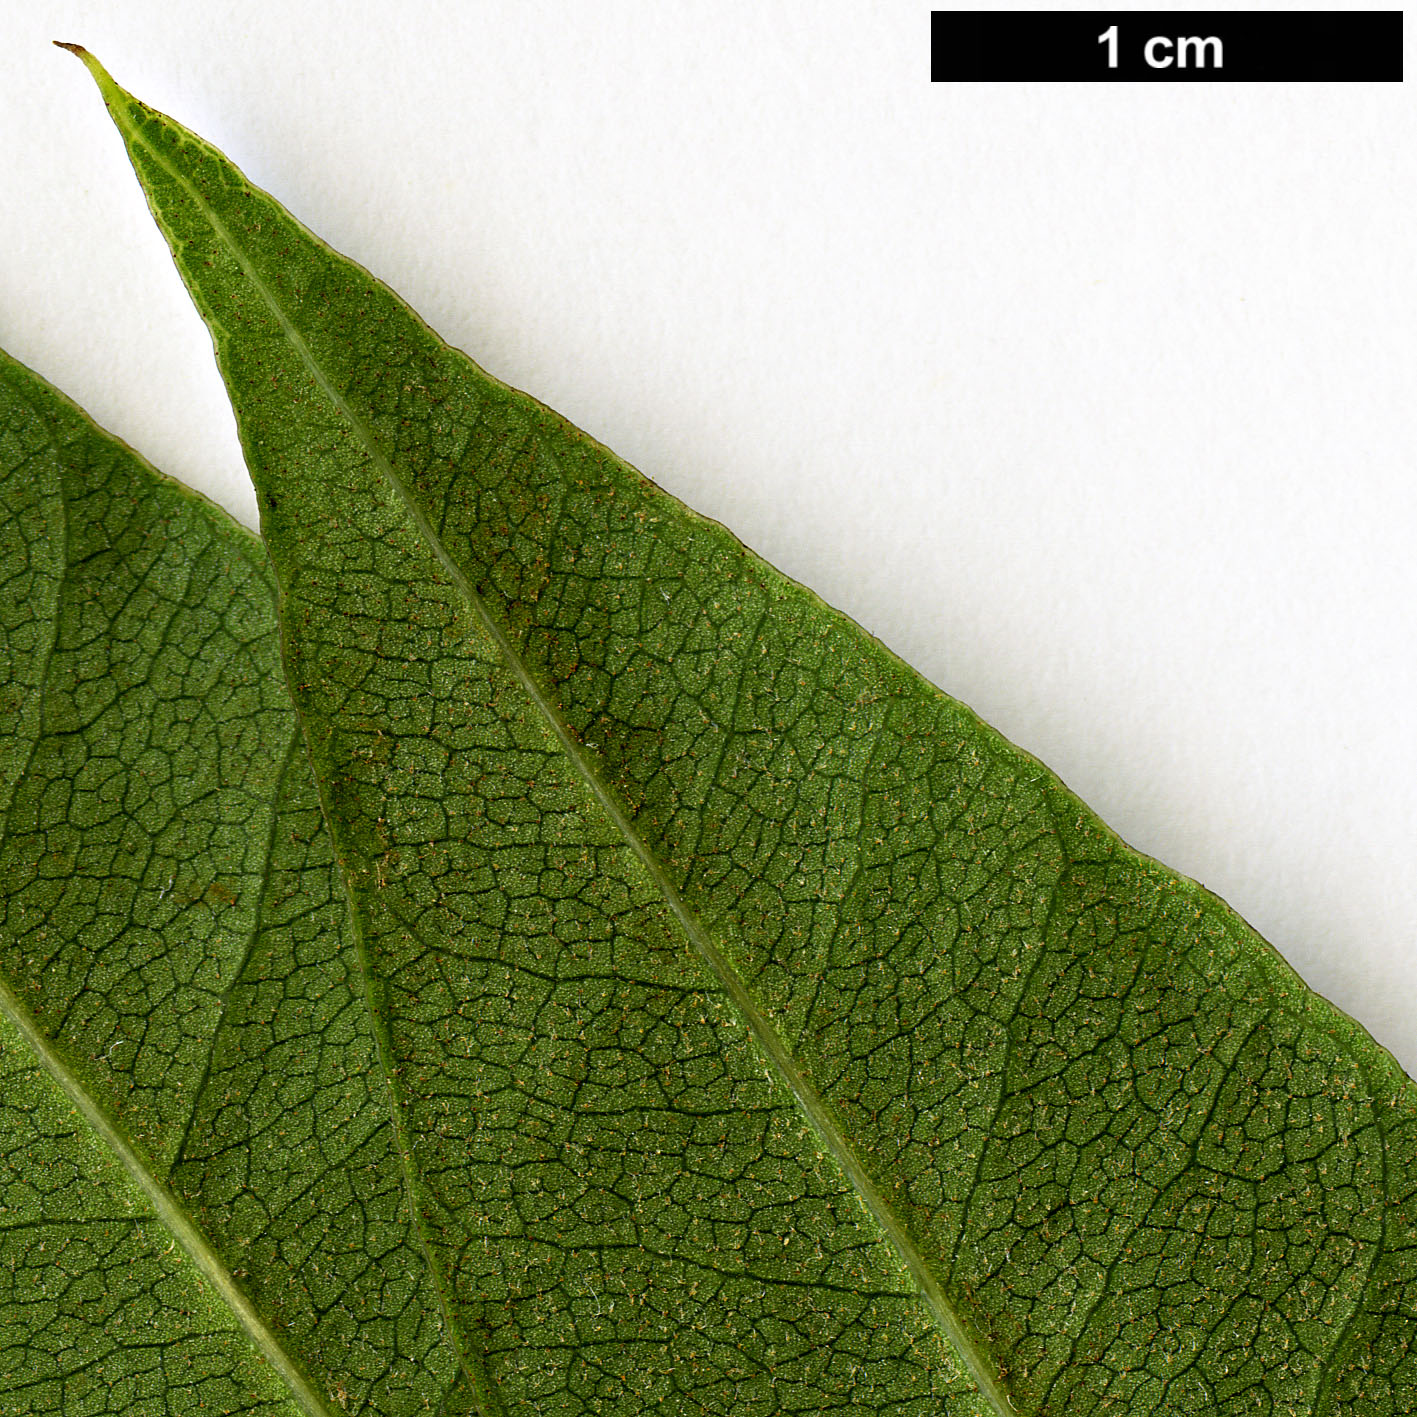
(1166, 46)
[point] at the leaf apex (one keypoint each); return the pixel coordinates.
(102, 77)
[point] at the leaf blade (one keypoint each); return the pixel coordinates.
(959, 899)
(183, 893)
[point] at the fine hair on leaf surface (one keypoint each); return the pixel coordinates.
(566, 967)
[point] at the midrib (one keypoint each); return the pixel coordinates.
(979, 1363)
(165, 1206)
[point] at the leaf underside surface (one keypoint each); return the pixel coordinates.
(620, 984)
(182, 1033)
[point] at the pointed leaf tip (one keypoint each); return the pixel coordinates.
(101, 75)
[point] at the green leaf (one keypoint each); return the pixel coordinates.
(200, 1199)
(763, 1032)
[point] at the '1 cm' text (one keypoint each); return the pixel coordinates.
(1161, 52)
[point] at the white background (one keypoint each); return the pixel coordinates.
(1095, 402)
